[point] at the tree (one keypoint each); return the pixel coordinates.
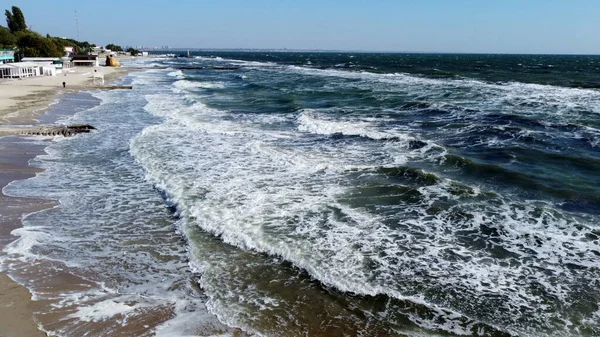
(133, 51)
(113, 47)
(33, 45)
(10, 21)
(7, 40)
(19, 18)
(15, 20)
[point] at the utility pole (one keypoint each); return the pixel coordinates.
(77, 24)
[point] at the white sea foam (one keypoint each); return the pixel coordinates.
(27, 238)
(281, 192)
(563, 103)
(111, 231)
(309, 122)
(187, 85)
(257, 191)
(144, 62)
(104, 310)
(177, 73)
(242, 63)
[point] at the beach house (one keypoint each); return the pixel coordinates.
(56, 62)
(50, 66)
(19, 70)
(7, 56)
(44, 61)
(85, 60)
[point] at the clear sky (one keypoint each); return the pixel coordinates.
(480, 26)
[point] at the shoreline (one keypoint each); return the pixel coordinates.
(24, 101)
(16, 313)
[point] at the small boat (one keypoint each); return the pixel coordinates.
(189, 55)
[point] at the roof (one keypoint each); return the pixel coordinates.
(19, 65)
(85, 57)
(40, 59)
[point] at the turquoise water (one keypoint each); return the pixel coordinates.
(332, 194)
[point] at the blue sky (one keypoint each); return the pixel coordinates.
(479, 26)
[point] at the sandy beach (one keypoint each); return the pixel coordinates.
(21, 102)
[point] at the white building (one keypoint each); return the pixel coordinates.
(19, 70)
(44, 61)
(49, 66)
(69, 50)
(85, 60)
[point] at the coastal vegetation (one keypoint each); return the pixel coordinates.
(113, 47)
(132, 51)
(7, 39)
(28, 43)
(15, 20)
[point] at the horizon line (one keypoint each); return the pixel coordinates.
(292, 50)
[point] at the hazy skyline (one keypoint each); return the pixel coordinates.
(469, 26)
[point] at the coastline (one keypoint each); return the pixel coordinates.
(23, 101)
(16, 311)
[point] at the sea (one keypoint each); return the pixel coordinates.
(272, 193)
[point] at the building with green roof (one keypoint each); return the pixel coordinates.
(7, 55)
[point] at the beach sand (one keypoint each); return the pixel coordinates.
(16, 307)
(21, 102)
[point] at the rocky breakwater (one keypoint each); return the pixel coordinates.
(46, 130)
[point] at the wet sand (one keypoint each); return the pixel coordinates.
(16, 308)
(22, 101)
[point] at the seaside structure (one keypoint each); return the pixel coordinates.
(86, 60)
(41, 60)
(67, 63)
(69, 50)
(50, 66)
(57, 62)
(19, 70)
(7, 56)
(98, 76)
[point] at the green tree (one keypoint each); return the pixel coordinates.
(15, 20)
(133, 51)
(10, 21)
(33, 45)
(113, 47)
(7, 40)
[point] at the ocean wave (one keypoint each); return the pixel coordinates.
(116, 282)
(309, 122)
(364, 217)
(187, 85)
(310, 222)
(561, 102)
(177, 73)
